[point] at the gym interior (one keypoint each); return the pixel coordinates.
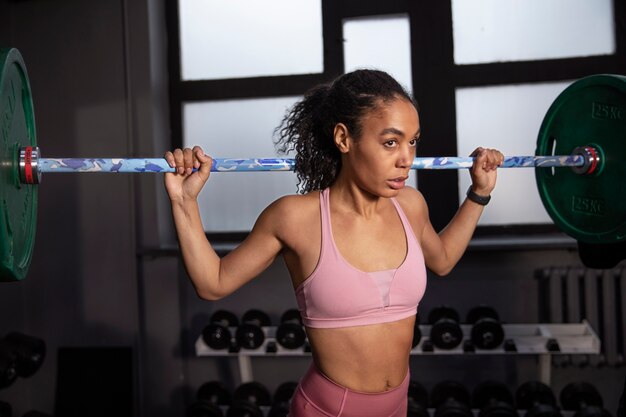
(106, 290)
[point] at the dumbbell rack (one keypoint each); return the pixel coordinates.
(543, 340)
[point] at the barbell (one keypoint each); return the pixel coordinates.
(584, 129)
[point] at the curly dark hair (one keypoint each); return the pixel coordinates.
(308, 126)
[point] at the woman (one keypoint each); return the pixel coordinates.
(356, 243)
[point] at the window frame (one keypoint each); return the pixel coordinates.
(432, 59)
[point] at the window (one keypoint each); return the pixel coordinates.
(507, 118)
(249, 38)
(485, 73)
(238, 129)
(510, 30)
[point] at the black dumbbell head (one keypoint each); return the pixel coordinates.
(247, 399)
(592, 411)
(214, 392)
(416, 410)
(534, 392)
(291, 315)
(446, 390)
(498, 409)
(216, 336)
(543, 410)
(249, 336)
(442, 312)
(204, 409)
(256, 317)
(8, 365)
(284, 392)
(446, 334)
(577, 395)
(290, 335)
(453, 408)
(30, 351)
(418, 393)
(489, 391)
(244, 409)
(487, 333)
(252, 392)
(225, 318)
(494, 399)
(279, 410)
(282, 398)
(480, 312)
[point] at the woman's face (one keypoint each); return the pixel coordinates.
(379, 160)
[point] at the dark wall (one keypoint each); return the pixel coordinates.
(102, 274)
(95, 94)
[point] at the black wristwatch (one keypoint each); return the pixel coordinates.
(478, 199)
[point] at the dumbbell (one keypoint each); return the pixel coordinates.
(583, 398)
(8, 365)
(445, 332)
(487, 331)
(493, 399)
(30, 352)
(451, 399)
(247, 400)
(216, 334)
(537, 398)
(417, 401)
(5, 409)
(282, 399)
(210, 396)
(290, 334)
(250, 334)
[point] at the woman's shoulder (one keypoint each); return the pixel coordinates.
(292, 216)
(298, 201)
(411, 200)
(410, 195)
(294, 207)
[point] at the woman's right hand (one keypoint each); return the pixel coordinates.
(185, 184)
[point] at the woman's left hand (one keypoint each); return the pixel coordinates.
(484, 170)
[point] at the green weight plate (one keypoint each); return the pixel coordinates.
(18, 202)
(590, 208)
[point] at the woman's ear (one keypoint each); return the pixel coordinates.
(342, 138)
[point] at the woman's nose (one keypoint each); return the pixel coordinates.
(406, 156)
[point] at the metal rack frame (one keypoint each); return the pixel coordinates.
(543, 340)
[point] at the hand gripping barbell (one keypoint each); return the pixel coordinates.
(584, 129)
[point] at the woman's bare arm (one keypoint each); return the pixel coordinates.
(443, 250)
(214, 277)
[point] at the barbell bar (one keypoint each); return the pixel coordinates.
(584, 160)
(584, 129)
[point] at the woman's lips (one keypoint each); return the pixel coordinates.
(397, 183)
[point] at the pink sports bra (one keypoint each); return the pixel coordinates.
(336, 294)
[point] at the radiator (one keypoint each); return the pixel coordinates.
(571, 294)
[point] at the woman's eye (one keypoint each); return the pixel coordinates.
(390, 143)
(413, 142)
